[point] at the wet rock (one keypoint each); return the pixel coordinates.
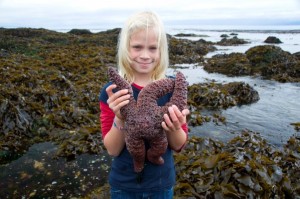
(273, 40)
(233, 64)
(224, 36)
(217, 96)
(268, 61)
(297, 55)
(232, 41)
(3, 53)
(274, 63)
(80, 32)
(186, 51)
(246, 166)
(189, 35)
(50, 83)
(25, 32)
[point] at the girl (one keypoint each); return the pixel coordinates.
(142, 59)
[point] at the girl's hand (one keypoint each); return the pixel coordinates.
(117, 100)
(176, 119)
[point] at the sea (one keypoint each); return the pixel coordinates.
(37, 175)
(279, 103)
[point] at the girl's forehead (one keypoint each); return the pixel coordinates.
(145, 34)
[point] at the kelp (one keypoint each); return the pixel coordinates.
(245, 167)
(49, 90)
(54, 89)
(51, 81)
(267, 61)
(217, 96)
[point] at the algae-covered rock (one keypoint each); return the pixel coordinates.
(187, 51)
(233, 64)
(273, 40)
(234, 41)
(215, 96)
(245, 167)
(268, 61)
(274, 63)
(80, 32)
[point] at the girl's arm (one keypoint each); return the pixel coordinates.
(114, 140)
(113, 137)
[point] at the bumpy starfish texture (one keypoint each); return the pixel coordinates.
(143, 117)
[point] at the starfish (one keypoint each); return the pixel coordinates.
(143, 117)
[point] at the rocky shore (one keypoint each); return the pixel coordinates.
(49, 92)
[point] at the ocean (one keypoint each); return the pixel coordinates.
(279, 103)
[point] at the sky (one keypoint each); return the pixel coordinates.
(93, 14)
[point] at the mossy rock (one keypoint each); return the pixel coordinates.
(80, 32)
(233, 64)
(273, 40)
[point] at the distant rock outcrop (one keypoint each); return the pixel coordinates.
(273, 40)
(80, 32)
(232, 41)
(269, 61)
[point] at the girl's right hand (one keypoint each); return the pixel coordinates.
(117, 100)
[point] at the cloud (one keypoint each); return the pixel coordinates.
(112, 13)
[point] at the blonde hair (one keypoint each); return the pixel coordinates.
(142, 21)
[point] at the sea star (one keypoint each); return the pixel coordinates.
(143, 117)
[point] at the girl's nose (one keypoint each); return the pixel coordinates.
(145, 54)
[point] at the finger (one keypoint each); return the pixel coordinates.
(165, 127)
(119, 99)
(113, 96)
(168, 121)
(119, 106)
(109, 89)
(178, 113)
(173, 115)
(185, 112)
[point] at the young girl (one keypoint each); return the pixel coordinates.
(142, 59)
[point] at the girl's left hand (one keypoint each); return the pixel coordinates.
(175, 119)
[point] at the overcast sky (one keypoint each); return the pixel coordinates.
(91, 14)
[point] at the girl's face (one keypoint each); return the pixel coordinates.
(143, 51)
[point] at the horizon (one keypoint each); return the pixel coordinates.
(197, 28)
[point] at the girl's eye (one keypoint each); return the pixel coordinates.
(153, 48)
(137, 47)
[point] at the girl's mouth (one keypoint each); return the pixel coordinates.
(145, 63)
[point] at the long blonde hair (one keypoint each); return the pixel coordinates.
(142, 21)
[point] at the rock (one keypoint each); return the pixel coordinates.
(273, 40)
(232, 41)
(80, 32)
(224, 36)
(233, 64)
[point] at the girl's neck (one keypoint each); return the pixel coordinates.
(142, 80)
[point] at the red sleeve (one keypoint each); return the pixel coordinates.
(106, 118)
(185, 128)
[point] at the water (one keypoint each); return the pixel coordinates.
(256, 35)
(279, 102)
(271, 116)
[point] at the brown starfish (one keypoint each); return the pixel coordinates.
(143, 117)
